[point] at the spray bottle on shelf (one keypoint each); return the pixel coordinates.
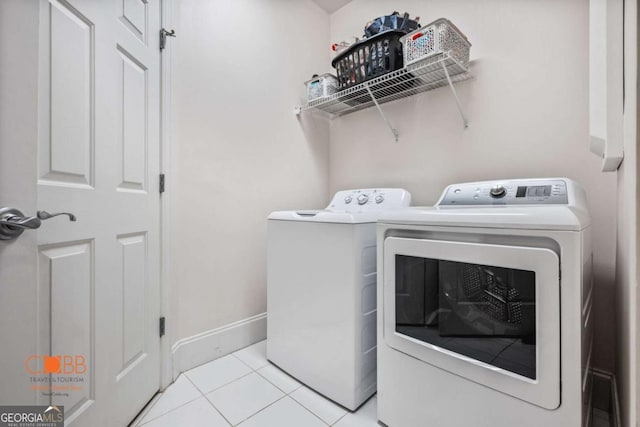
(343, 45)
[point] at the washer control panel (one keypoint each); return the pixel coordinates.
(369, 199)
(507, 192)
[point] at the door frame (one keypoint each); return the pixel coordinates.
(166, 133)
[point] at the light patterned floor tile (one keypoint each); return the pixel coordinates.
(213, 375)
(177, 394)
(286, 412)
(255, 355)
(241, 399)
(279, 378)
(365, 416)
(197, 413)
(328, 411)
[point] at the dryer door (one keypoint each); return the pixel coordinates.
(489, 313)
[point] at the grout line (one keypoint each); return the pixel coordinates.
(150, 405)
(294, 401)
(246, 364)
(312, 413)
(193, 384)
(253, 415)
(137, 421)
(204, 393)
(270, 382)
(218, 410)
(238, 379)
(285, 394)
(242, 361)
(168, 412)
(308, 409)
(172, 409)
(274, 384)
(360, 408)
(338, 420)
(270, 404)
(243, 420)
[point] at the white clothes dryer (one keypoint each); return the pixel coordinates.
(485, 308)
(321, 293)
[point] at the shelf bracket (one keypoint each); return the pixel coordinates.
(455, 95)
(375, 101)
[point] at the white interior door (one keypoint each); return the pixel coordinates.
(96, 301)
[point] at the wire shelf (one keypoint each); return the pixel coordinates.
(427, 74)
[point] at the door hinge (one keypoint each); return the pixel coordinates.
(162, 322)
(163, 37)
(161, 185)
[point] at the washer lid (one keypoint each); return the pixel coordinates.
(326, 216)
(352, 206)
(534, 203)
(522, 217)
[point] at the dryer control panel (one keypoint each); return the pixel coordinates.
(507, 192)
(369, 199)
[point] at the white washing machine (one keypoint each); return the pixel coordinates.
(321, 293)
(485, 308)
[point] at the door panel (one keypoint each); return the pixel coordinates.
(66, 157)
(133, 15)
(134, 281)
(133, 129)
(67, 277)
(99, 159)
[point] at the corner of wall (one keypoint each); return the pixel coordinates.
(196, 350)
(627, 235)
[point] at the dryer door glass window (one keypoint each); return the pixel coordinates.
(483, 312)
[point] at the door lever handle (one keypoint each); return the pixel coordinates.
(13, 223)
(46, 215)
(16, 221)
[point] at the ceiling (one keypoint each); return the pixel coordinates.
(331, 5)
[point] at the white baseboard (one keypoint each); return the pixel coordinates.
(193, 351)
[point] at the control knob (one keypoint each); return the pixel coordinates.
(347, 199)
(362, 199)
(498, 191)
(379, 198)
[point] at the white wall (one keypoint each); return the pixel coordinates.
(626, 318)
(626, 301)
(528, 113)
(239, 152)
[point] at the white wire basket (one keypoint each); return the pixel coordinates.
(438, 37)
(321, 86)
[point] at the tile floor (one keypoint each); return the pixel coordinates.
(244, 389)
